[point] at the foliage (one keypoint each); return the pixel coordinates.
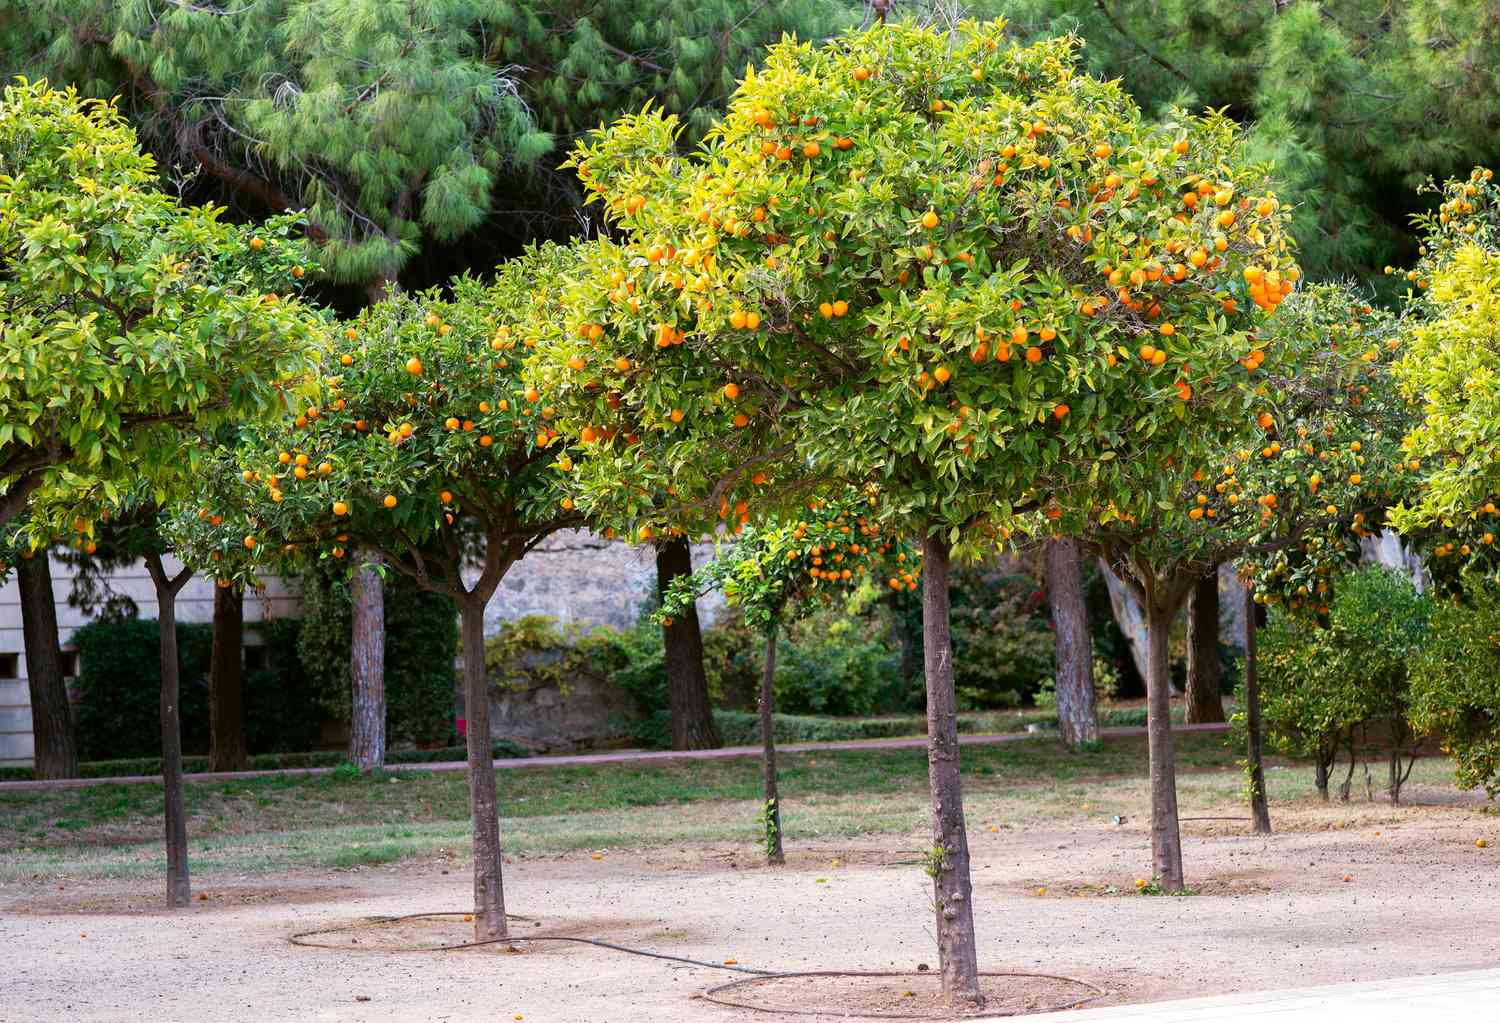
(1325, 683)
(838, 663)
(950, 262)
(1356, 101)
(1448, 372)
(421, 645)
(280, 713)
(1003, 644)
(420, 443)
(120, 692)
(292, 104)
(1455, 683)
(534, 651)
(127, 315)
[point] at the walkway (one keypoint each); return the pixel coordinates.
(589, 759)
(1444, 998)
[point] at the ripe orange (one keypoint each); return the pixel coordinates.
(340, 508)
(414, 366)
(929, 220)
(1033, 354)
(451, 423)
(1167, 330)
(576, 362)
(249, 543)
(256, 244)
(346, 360)
(861, 74)
(731, 391)
(1102, 151)
(811, 150)
(840, 307)
(390, 501)
(943, 374)
(1060, 411)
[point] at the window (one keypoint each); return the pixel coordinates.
(10, 665)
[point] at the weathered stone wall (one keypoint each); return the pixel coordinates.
(579, 578)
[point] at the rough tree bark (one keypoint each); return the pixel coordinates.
(1205, 698)
(226, 682)
(179, 889)
(1166, 835)
(1077, 715)
(1260, 811)
(489, 891)
(774, 853)
(56, 750)
(952, 888)
(687, 683)
(367, 664)
(1129, 615)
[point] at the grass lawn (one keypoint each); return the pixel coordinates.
(338, 820)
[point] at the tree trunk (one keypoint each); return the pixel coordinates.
(1205, 698)
(179, 890)
(1258, 806)
(226, 682)
(774, 853)
(1320, 775)
(367, 664)
(1166, 835)
(1129, 616)
(489, 893)
(949, 866)
(52, 731)
(687, 684)
(1077, 716)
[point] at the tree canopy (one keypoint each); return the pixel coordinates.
(127, 315)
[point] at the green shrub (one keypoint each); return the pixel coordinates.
(1455, 683)
(119, 683)
(1002, 641)
(1332, 683)
(281, 715)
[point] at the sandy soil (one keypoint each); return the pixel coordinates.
(1273, 912)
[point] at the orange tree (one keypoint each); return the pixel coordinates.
(776, 572)
(1310, 464)
(940, 263)
(422, 444)
(1448, 374)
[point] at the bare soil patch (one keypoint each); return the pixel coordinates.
(898, 996)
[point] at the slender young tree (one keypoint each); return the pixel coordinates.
(777, 572)
(136, 325)
(423, 444)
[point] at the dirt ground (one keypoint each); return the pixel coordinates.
(1339, 893)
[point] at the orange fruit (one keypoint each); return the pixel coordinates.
(390, 501)
(929, 220)
(340, 508)
(414, 366)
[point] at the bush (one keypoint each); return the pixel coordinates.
(1003, 643)
(1341, 681)
(837, 661)
(119, 683)
(281, 715)
(1455, 683)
